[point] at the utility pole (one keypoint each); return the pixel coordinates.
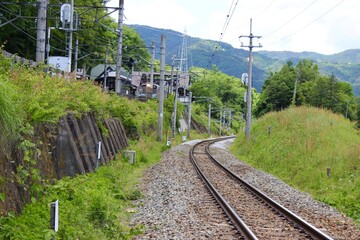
(230, 119)
(41, 31)
(119, 48)
(105, 70)
(76, 54)
(161, 93)
(152, 64)
(172, 75)
(249, 88)
(209, 119)
(224, 120)
(189, 115)
(150, 87)
(71, 34)
(48, 45)
(296, 82)
(175, 105)
(220, 122)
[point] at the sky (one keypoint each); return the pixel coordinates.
(322, 26)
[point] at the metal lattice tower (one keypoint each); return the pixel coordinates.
(184, 53)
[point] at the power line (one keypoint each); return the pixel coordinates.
(21, 30)
(228, 18)
(307, 25)
(289, 21)
(268, 6)
(259, 14)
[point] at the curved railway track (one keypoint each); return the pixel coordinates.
(252, 213)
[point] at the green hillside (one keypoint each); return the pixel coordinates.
(233, 60)
(302, 145)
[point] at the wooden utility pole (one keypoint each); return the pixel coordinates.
(41, 31)
(249, 87)
(161, 92)
(119, 48)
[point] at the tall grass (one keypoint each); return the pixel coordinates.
(10, 114)
(92, 206)
(300, 146)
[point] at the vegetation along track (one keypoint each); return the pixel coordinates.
(261, 217)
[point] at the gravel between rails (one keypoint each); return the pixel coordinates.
(168, 212)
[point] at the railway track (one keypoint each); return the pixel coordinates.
(252, 213)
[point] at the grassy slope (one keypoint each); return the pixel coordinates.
(303, 143)
(91, 206)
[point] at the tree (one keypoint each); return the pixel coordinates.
(96, 33)
(277, 91)
(313, 89)
(134, 47)
(18, 35)
(223, 90)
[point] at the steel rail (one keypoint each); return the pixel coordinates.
(301, 223)
(230, 212)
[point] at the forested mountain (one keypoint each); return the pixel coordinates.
(233, 61)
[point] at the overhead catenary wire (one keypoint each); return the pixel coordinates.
(225, 26)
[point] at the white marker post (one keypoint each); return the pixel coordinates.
(54, 215)
(98, 155)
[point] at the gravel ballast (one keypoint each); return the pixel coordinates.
(175, 200)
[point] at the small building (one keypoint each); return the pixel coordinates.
(97, 74)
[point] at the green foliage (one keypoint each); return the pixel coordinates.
(2, 197)
(13, 39)
(312, 89)
(99, 35)
(135, 48)
(277, 91)
(222, 91)
(11, 114)
(91, 206)
(33, 97)
(302, 144)
(27, 175)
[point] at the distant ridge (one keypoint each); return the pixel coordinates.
(233, 61)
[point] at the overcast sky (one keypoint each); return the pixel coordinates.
(323, 26)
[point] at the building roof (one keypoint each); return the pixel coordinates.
(98, 71)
